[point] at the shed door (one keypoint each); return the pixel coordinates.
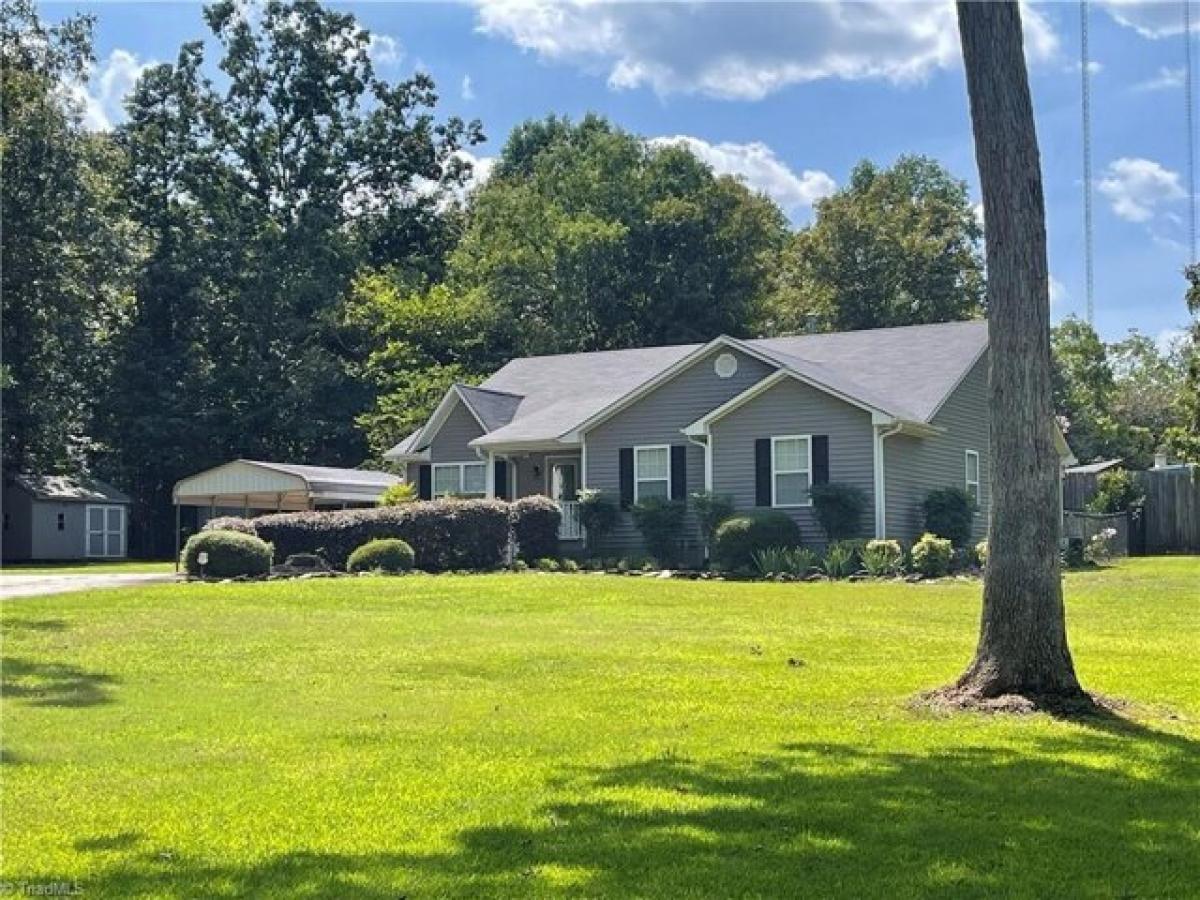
(106, 531)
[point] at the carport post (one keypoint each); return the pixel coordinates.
(176, 537)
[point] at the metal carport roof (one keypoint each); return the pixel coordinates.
(254, 484)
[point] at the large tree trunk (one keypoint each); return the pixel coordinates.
(1023, 640)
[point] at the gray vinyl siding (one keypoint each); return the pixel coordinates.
(914, 466)
(51, 543)
(450, 444)
(659, 418)
(793, 408)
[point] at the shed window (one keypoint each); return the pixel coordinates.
(459, 480)
(791, 470)
(973, 475)
(651, 473)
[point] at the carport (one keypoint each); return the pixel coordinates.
(251, 487)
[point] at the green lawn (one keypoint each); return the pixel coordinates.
(92, 567)
(540, 735)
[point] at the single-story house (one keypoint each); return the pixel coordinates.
(894, 411)
(63, 517)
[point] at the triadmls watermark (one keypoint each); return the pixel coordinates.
(41, 888)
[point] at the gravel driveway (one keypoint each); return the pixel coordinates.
(35, 585)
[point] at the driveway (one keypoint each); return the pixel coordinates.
(35, 585)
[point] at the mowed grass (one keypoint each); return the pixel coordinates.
(540, 735)
(91, 567)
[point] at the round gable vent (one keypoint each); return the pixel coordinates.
(726, 365)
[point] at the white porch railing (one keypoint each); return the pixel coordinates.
(570, 528)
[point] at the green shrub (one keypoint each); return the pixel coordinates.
(882, 558)
(839, 560)
(599, 514)
(535, 522)
(950, 513)
(547, 564)
(795, 561)
(398, 494)
(838, 508)
(981, 552)
(570, 565)
(445, 534)
(931, 555)
(1116, 492)
(661, 524)
(231, 554)
(711, 510)
(1074, 554)
(738, 537)
(390, 555)
(519, 565)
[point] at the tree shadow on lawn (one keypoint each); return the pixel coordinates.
(1087, 813)
(54, 684)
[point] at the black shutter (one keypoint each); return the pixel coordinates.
(762, 472)
(425, 482)
(626, 465)
(820, 459)
(500, 479)
(678, 472)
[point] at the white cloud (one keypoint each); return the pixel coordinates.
(1150, 20)
(1058, 291)
(101, 99)
(742, 51)
(1137, 187)
(468, 89)
(758, 166)
(384, 50)
(1166, 79)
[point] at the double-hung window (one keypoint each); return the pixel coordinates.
(791, 470)
(459, 480)
(972, 479)
(651, 473)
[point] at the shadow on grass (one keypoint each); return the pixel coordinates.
(1087, 813)
(54, 684)
(36, 625)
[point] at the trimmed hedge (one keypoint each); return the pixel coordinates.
(230, 554)
(950, 513)
(385, 554)
(931, 555)
(739, 537)
(444, 534)
(535, 522)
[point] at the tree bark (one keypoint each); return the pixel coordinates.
(1023, 641)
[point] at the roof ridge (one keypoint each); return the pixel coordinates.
(914, 326)
(476, 387)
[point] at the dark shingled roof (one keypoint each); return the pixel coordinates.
(70, 488)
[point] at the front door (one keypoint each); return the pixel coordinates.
(564, 479)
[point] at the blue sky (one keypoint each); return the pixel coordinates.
(792, 95)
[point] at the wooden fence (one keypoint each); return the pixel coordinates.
(1172, 509)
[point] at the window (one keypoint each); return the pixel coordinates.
(459, 479)
(651, 473)
(62, 522)
(791, 470)
(973, 475)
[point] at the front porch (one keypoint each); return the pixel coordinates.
(555, 474)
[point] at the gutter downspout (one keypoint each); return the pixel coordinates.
(707, 445)
(881, 432)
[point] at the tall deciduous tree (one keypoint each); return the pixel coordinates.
(261, 196)
(1184, 439)
(896, 246)
(67, 247)
(1023, 640)
(588, 238)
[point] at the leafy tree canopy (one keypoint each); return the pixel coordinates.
(896, 246)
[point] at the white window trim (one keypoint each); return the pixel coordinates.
(807, 438)
(637, 480)
(462, 479)
(88, 531)
(967, 454)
